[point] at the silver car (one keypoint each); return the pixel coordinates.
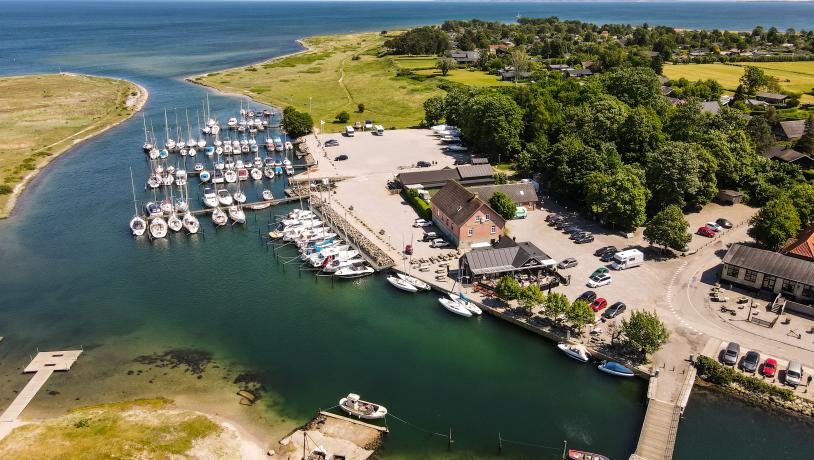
(794, 373)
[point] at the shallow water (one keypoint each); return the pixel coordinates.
(71, 275)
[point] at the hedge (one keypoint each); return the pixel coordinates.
(715, 372)
(422, 208)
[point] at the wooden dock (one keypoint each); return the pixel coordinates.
(44, 365)
(383, 429)
(248, 206)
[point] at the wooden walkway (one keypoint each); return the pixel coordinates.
(44, 364)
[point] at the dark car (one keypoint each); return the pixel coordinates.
(556, 219)
(585, 239)
(588, 296)
(607, 257)
(750, 361)
(605, 249)
(730, 357)
(341, 158)
(423, 164)
(572, 229)
(724, 223)
(567, 263)
(561, 224)
(551, 216)
(331, 143)
(577, 234)
(614, 310)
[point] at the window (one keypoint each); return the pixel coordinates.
(493, 230)
(769, 281)
(750, 276)
(477, 219)
(469, 232)
(808, 291)
(789, 286)
(732, 271)
(486, 217)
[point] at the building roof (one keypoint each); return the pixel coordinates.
(474, 171)
(771, 96)
(793, 129)
(791, 155)
(802, 246)
(521, 192)
(506, 255)
(457, 203)
(711, 106)
(771, 263)
(666, 90)
(428, 176)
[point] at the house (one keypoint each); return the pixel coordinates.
(521, 193)
(769, 271)
(509, 74)
(499, 49)
(792, 129)
(465, 57)
(788, 155)
(771, 98)
(666, 90)
(729, 196)
(577, 73)
(558, 66)
(473, 174)
(700, 52)
(713, 107)
(801, 247)
(463, 217)
(505, 257)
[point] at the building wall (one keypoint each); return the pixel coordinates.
(757, 280)
(482, 227)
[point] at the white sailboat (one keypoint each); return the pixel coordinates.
(191, 223)
(174, 223)
(137, 224)
(474, 309)
(219, 217)
(455, 307)
(236, 214)
(399, 283)
(158, 227)
(414, 281)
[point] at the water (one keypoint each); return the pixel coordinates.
(70, 274)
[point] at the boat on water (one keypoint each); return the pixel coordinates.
(219, 217)
(138, 226)
(455, 307)
(353, 405)
(230, 176)
(243, 174)
(399, 283)
(574, 454)
(469, 305)
(256, 174)
(414, 281)
(174, 223)
(354, 271)
(259, 206)
(204, 176)
(267, 195)
(158, 228)
(210, 198)
(577, 352)
(224, 197)
(152, 209)
(335, 265)
(614, 368)
(240, 197)
(236, 214)
(191, 223)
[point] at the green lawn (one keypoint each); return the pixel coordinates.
(416, 62)
(794, 76)
(467, 77)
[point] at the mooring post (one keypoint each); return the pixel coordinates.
(564, 448)
(499, 443)
(449, 444)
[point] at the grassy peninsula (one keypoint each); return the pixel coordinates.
(42, 116)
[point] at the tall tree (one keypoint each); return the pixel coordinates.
(580, 314)
(620, 197)
(491, 123)
(806, 143)
(556, 304)
(645, 331)
(434, 109)
(296, 123)
(761, 133)
(503, 205)
(802, 197)
(639, 135)
(530, 296)
(445, 64)
(668, 229)
(507, 288)
(634, 86)
(775, 223)
(673, 174)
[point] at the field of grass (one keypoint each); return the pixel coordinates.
(41, 116)
(425, 65)
(794, 76)
(416, 62)
(138, 429)
(337, 73)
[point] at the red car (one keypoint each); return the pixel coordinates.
(769, 368)
(706, 231)
(599, 304)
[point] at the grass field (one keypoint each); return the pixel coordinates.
(337, 73)
(425, 65)
(41, 116)
(794, 76)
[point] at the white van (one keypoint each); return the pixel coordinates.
(627, 259)
(378, 130)
(349, 131)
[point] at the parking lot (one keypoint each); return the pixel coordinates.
(779, 377)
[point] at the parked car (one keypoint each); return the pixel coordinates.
(368, 125)
(713, 226)
(585, 239)
(599, 304)
(794, 374)
(724, 223)
(567, 263)
(706, 231)
(601, 280)
(730, 357)
(769, 368)
(572, 229)
(340, 158)
(439, 243)
(561, 224)
(331, 143)
(588, 296)
(421, 223)
(616, 309)
(600, 271)
(750, 361)
(605, 249)
(579, 233)
(607, 257)
(550, 216)
(429, 236)
(423, 164)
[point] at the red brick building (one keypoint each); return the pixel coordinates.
(464, 218)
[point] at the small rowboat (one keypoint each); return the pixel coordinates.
(577, 352)
(614, 368)
(455, 307)
(574, 454)
(362, 409)
(401, 284)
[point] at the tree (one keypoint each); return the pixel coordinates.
(668, 229)
(503, 205)
(491, 123)
(802, 197)
(520, 61)
(657, 64)
(530, 296)
(645, 331)
(501, 178)
(755, 79)
(507, 288)
(775, 223)
(556, 304)
(673, 174)
(445, 64)
(761, 133)
(806, 143)
(360, 107)
(640, 134)
(434, 109)
(421, 40)
(634, 86)
(297, 123)
(579, 314)
(342, 117)
(620, 198)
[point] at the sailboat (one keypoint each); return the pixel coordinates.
(174, 223)
(137, 224)
(399, 283)
(236, 214)
(158, 228)
(474, 309)
(414, 281)
(219, 217)
(455, 307)
(191, 223)
(148, 146)
(256, 174)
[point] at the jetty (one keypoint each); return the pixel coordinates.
(336, 435)
(43, 366)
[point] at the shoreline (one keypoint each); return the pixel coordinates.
(134, 103)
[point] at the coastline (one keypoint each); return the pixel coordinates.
(133, 103)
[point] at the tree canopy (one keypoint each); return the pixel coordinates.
(775, 223)
(645, 331)
(296, 123)
(668, 228)
(503, 205)
(421, 40)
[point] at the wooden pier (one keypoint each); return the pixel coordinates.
(248, 206)
(44, 365)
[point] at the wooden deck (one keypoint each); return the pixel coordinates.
(44, 365)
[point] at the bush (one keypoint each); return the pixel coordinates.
(422, 208)
(360, 107)
(342, 117)
(715, 372)
(6, 189)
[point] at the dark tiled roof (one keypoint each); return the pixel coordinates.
(790, 155)
(456, 202)
(772, 263)
(771, 96)
(428, 176)
(506, 256)
(475, 171)
(802, 246)
(793, 129)
(522, 192)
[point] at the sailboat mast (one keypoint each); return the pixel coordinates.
(133, 187)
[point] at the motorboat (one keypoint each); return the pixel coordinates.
(353, 405)
(204, 175)
(138, 225)
(614, 368)
(243, 174)
(267, 195)
(217, 177)
(278, 170)
(239, 197)
(219, 217)
(166, 206)
(468, 304)
(258, 163)
(191, 223)
(174, 223)
(414, 281)
(181, 205)
(455, 307)
(335, 265)
(289, 170)
(354, 271)
(236, 214)
(268, 171)
(256, 174)
(278, 144)
(198, 167)
(210, 198)
(224, 197)
(209, 150)
(574, 454)
(158, 228)
(399, 283)
(577, 352)
(289, 146)
(152, 209)
(259, 206)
